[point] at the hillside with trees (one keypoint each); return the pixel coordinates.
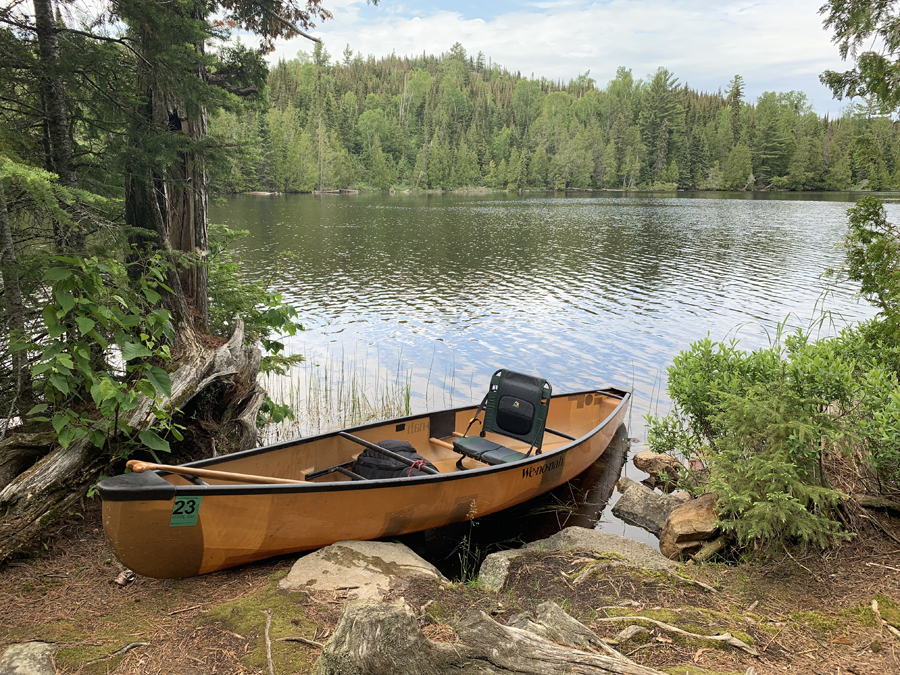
(455, 121)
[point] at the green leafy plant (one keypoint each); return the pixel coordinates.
(107, 342)
(763, 422)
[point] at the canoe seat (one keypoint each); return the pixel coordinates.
(483, 450)
(515, 406)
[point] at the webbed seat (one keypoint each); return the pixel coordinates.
(515, 406)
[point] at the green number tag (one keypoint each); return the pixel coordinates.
(185, 511)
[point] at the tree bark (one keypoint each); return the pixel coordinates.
(57, 117)
(20, 451)
(51, 486)
(54, 93)
(188, 218)
(14, 308)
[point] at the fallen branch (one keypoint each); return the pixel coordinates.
(710, 548)
(269, 642)
(311, 643)
(186, 609)
(878, 503)
(882, 623)
(124, 650)
(727, 638)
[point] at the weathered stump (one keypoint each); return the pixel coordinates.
(382, 639)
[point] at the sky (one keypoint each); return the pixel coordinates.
(774, 45)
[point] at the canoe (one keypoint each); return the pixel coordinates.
(165, 525)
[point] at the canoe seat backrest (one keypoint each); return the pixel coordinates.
(515, 406)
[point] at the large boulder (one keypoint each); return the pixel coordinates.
(641, 506)
(688, 527)
(363, 569)
(495, 567)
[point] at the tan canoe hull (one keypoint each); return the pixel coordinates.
(236, 524)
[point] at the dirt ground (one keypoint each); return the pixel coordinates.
(804, 613)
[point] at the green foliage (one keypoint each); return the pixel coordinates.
(441, 123)
(858, 26)
(107, 339)
(873, 257)
(765, 469)
(765, 421)
(738, 171)
(271, 412)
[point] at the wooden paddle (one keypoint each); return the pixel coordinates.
(139, 467)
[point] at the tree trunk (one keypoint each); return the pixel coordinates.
(54, 97)
(14, 309)
(144, 215)
(54, 93)
(51, 486)
(188, 219)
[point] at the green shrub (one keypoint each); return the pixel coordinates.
(766, 421)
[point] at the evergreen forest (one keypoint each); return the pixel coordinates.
(456, 121)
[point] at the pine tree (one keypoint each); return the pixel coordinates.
(735, 95)
(539, 169)
(381, 173)
(737, 174)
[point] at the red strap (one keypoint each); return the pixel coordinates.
(418, 464)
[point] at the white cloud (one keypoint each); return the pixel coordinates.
(774, 45)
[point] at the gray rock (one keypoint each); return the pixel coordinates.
(365, 569)
(495, 567)
(641, 506)
(29, 658)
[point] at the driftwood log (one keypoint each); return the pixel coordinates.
(59, 479)
(383, 639)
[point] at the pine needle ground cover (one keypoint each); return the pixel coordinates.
(805, 614)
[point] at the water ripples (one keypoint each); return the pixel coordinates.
(581, 290)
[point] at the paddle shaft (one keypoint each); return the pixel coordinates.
(139, 467)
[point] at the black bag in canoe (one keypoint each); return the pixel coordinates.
(374, 466)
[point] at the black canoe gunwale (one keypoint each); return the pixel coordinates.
(151, 486)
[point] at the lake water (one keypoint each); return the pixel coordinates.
(581, 290)
(438, 291)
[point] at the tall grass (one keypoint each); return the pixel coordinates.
(336, 392)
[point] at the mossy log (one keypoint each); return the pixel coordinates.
(51, 486)
(378, 638)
